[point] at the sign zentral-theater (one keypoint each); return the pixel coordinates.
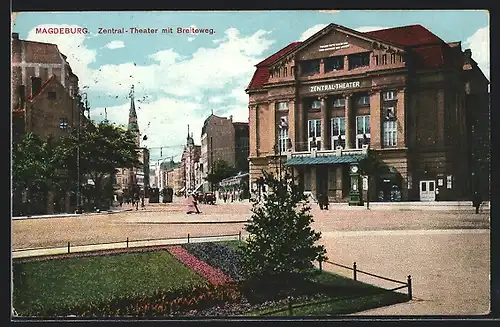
(334, 87)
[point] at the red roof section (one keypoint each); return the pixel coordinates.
(428, 50)
(408, 36)
(261, 75)
(32, 96)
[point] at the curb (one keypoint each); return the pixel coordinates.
(187, 222)
(70, 215)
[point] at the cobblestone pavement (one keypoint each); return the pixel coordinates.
(447, 253)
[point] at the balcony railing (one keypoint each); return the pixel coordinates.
(326, 153)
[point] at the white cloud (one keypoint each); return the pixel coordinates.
(115, 44)
(190, 39)
(216, 99)
(364, 29)
(479, 43)
(311, 31)
(227, 65)
(164, 122)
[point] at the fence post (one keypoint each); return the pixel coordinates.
(239, 236)
(188, 238)
(290, 311)
(355, 272)
(410, 291)
(320, 265)
(127, 242)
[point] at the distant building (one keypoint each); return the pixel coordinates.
(128, 177)
(44, 101)
(190, 156)
(420, 104)
(223, 139)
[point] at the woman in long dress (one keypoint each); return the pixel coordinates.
(192, 204)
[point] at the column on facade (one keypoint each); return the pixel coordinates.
(375, 120)
(440, 117)
(300, 143)
(274, 126)
(348, 122)
(292, 124)
(253, 126)
(401, 119)
(324, 124)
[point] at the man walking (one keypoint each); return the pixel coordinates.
(476, 201)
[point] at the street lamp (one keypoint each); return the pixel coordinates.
(78, 194)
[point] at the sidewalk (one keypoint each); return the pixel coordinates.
(66, 215)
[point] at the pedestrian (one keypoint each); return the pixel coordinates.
(325, 201)
(320, 201)
(437, 194)
(224, 196)
(476, 201)
(192, 205)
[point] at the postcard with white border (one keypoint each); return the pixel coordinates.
(227, 164)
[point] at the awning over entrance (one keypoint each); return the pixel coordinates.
(323, 160)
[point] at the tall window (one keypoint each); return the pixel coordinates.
(310, 67)
(362, 131)
(390, 133)
(363, 100)
(63, 123)
(334, 63)
(314, 130)
(339, 102)
(359, 60)
(389, 95)
(282, 105)
(384, 59)
(283, 139)
(338, 132)
(285, 72)
(315, 105)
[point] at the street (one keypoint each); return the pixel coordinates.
(446, 253)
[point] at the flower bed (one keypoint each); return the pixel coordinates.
(213, 275)
(218, 255)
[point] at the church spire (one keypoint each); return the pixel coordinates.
(132, 115)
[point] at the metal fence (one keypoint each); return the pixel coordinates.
(130, 242)
(355, 272)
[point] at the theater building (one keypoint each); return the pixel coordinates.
(321, 105)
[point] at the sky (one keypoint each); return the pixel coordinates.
(181, 78)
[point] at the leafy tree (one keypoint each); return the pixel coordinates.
(281, 242)
(32, 169)
(221, 170)
(103, 149)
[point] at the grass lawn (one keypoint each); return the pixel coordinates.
(342, 296)
(42, 285)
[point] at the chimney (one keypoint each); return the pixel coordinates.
(231, 118)
(15, 36)
(36, 85)
(21, 93)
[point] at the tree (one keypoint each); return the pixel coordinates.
(103, 149)
(281, 242)
(221, 170)
(32, 169)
